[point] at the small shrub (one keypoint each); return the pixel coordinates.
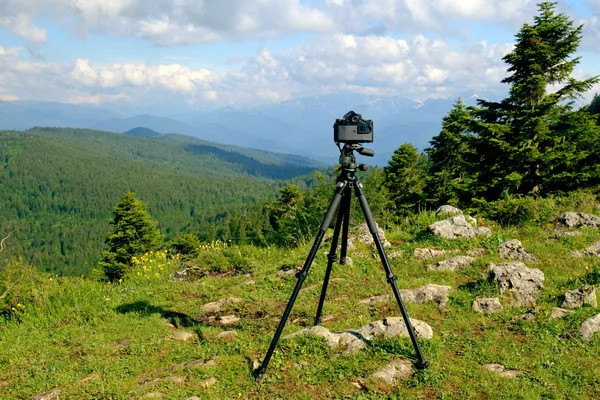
(20, 286)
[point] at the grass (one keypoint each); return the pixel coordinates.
(93, 340)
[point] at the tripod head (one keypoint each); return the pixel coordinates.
(348, 159)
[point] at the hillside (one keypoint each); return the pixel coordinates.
(160, 333)
(59, 186)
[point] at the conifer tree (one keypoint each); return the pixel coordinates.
(404, 179)
(134, 234)
(533, 142)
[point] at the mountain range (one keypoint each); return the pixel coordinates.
(299, 126)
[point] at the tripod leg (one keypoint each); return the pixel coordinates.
(391, 278)
(331, 257)
(335, 204)
(346, 207)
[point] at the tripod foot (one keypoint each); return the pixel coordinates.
(421, 365)
(258, 374)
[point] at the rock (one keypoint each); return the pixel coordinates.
(393, 372)
(424, 254)
(447, 210)
(228, 336)
(452, 264)
(499, 369)
(487, 305)
(346, 261)
(529, 316)
(154, 395)
(250, 282)
(183, 336)
(217, 306)
(514, 250)
(364, 235)
(212, 381)
(524, 283)
(288, 272)
(584, 294)
(577, 219)
(457, 227)
(256, 364)
(558, 234)
(168, 324)
(354, 340)
(429, 292)
(589, 327)
(227, 320)
(192, 398)
(50, 395)
(395, 254)
(557, 313)
(591, 250)
(476, 252)
(196, 363)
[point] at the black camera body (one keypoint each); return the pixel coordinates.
(352, 128)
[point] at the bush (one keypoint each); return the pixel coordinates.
(21, 285)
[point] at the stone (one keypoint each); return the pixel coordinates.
(577, 219)
(476, 252)
(347, 261)
(559, 234)
(217, 306)
(354, 340)
(228, 336)
(487, 305)
(522, 282)
(452, 264)
(529, 316)
(584, 294)
(168, 324)
(196, 363)
(192, 398)
(589, 327)
(429, 292)
(514, 250)
(558, 312)
(395, 254)
(447, 210)
(394, 372)
(424, 254)
(49, 395)
(154, 395)
(591, 250)
(457, 227)
(227, 320)
(212, 381)
(183, 336)
(364, 235)
(500, 370)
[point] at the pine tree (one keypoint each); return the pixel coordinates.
(527, 140)
(134, 234)
(594, 107)
(405, 179)
(447, 178)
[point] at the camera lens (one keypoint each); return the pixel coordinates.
(354, 118)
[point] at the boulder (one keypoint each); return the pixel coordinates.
(447, 210)
(227, 320)
(589, 327)
(559, 234)
(452, 264)
(514, 250)
(487, 305)
(557, 313)
(50, 395)
(183, 336)
(584, 294)
(428, 292)
(227, 336)
(217, 306)
(457, 227)
(364, 235)
(394, 372)
(424, 254)
(524, 283)
(501, 371)
(577, 219)
(591, 250)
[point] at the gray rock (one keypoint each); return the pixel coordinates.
(447, 210)
(452, 264)
(183, 336)
(212, 381)
(429, 292)
(394, 372)
(499, 369)
(457, 227)
(529, 316)
(557, 313)
(50, 395)
(154, 395)
(227, 320)
(227, 336)
(192, 398)
(589, 327)
(559, 234)
(576, 219)
(487, 305)
(424, 254)
(514, 250)
(354, 340)
(476, 252)
(524, 283)
(364, 235)
(591, 250)
(584, 294)
(217, 306)
(395, 254)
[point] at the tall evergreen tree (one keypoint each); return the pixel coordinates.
(447, 178)
(405, 179)
(535, 134)
(134, 234)
(594, 107)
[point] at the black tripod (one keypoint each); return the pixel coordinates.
(341, 203)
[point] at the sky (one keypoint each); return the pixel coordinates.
(206, 54)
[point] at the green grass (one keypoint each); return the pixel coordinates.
(99, 341)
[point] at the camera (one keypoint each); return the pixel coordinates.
(352, 128)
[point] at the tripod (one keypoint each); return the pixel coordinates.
(341, 201)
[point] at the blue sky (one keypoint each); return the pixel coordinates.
(201, 54)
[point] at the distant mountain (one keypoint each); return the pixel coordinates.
(157, 124)
(143, 132)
